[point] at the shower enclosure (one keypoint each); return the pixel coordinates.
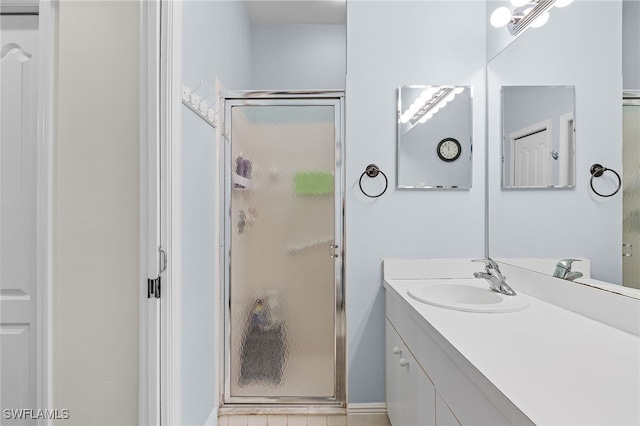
(283, 269)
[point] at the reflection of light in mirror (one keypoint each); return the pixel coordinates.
(428, 93)
(562, 3)
(534, 13)
(540, 21)
(429, 102)
(500, 17)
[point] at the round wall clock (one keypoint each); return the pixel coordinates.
(449, 149)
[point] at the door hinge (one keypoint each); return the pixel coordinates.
(153, 285)
(153, 288)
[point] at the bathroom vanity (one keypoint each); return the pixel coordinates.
(541, 364)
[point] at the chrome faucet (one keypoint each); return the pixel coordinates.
(496, 280)
(563, 270)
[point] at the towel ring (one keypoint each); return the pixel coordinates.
(372, 171)
(598, 170)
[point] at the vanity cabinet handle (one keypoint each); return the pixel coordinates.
(404, 362)
(396, 350)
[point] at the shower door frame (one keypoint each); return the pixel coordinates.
(629, 98)
(285, 98)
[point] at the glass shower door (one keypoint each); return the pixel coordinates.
(283, 283)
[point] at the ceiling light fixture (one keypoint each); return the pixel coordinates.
(534, 13)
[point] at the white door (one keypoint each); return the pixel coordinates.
(18, 230)
(531, 160)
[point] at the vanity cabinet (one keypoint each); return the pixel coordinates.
(429, 382)
(444, 416)
(411, 397)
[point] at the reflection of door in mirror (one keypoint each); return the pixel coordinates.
(631, 195)
(530, 155)
(538, 136)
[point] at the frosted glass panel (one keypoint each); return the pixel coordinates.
(631, 195)
(282, 277)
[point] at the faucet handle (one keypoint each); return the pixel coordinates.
(567, 262)
(488, 263)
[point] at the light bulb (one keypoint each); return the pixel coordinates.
(429, 115)
(413, 109)
(450, 97)
(519, 3)
(458, 90)
(540, 20)
(435, 109)
(443, 103)
(562, 3)
(404, 119)
(423, 119)
(500, 17)
(428, 93)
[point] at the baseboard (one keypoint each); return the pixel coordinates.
(367, 414)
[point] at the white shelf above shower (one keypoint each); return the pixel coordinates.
(300, 247)
(209, 118)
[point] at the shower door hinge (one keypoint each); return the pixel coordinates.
(153, 288)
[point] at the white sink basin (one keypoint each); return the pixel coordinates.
(469, 295)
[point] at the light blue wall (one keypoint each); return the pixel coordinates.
(392, 44)
(216, 43)
(299, 57)
(631, 44)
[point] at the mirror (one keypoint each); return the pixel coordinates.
(434, 137)
(538, 136)
(579, 47)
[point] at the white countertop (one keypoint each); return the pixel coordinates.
(556, 366)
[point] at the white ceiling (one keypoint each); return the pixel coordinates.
(285, 12)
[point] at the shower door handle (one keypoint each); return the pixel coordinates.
(333, 251)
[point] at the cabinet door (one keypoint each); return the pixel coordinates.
(444, 416)
(410, 393)
(395, 376)
(420, 400)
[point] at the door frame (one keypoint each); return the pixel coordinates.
(228, 99)
(47, 13)
(160, 211)
(566, 148)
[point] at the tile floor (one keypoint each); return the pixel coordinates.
(283, 420)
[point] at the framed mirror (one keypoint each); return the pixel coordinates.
(434, 137)
(538, 136)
